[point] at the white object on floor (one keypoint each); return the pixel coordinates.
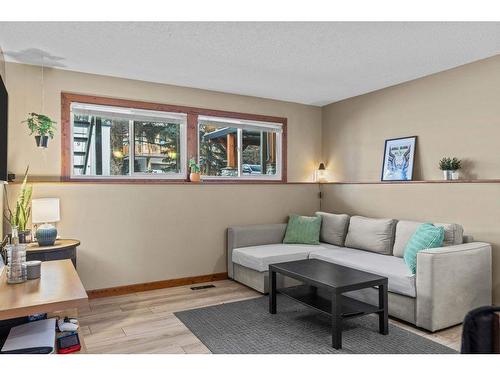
(32, 337)
(71, 326)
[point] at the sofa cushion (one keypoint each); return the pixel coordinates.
(453, 235)
(260, 257)
(427, 236)
(303, 230)
(401, 280)
(375, 235)
(333, 228)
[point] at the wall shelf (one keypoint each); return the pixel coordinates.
(476, 181)
(57, 180)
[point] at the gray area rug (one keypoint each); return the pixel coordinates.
(246, 327)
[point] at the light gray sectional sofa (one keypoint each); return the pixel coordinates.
(449, 281)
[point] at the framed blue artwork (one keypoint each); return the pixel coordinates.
(399, 156)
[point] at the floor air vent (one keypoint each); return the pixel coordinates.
(202, 287)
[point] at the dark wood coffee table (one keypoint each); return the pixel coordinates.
(332, 279)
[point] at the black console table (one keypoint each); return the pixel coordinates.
(62, 249)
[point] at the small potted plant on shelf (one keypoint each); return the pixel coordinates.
(19, 217)
(450, 168)
(194, 168)
(456, 164)
(42, 126)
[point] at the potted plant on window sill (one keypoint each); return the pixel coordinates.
(450, 168)
(194, 176)
(42, 126)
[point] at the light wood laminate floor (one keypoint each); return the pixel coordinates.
(144, 322)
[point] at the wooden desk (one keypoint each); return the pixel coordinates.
(59, 288)
(62, 249)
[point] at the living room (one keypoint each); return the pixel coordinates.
(374, 141)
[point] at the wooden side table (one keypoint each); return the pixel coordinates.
(59, 292)
(62, 249)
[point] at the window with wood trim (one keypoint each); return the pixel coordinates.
(238, 149)
(118, 142)
(106, 139)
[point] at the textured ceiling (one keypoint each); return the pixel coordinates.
(311, 63)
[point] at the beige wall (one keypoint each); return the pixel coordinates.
(453, 113)
(24, 85)
(140, 233)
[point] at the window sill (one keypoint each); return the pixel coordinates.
(155, 181)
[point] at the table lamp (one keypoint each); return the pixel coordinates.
(45, 211)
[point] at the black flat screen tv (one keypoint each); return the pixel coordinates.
(4, 104)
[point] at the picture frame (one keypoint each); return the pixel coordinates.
(399, 159)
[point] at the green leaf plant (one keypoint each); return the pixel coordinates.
(193, 166)
(40, 125)
(450, 164)
(19, 217)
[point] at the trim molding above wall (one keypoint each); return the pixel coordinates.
(134, 288)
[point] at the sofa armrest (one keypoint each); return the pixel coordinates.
(252, 235)
(451, 281)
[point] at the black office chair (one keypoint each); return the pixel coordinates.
(481, 334)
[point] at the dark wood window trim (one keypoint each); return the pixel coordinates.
(192, 136)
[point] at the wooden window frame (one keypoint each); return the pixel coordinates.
(191, 131)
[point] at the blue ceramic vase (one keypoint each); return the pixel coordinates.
(46, 235)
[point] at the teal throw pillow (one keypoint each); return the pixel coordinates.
(303, 229)
(427, 236)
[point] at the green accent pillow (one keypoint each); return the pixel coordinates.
(303, 229)
(427, 236)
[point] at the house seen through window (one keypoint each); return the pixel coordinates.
(127, 142)
(232, 148)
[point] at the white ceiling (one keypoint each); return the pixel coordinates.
(310, 63)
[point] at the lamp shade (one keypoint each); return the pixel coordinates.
(320, 173)
(45, 210)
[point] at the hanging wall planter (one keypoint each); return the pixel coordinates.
(43, 128)
(42, 141)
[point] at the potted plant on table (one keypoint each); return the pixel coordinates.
(450, 168)
(42, 126)
(194, 168)
(19, 217)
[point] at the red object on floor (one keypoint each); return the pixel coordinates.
(68, 344)
(69, 349)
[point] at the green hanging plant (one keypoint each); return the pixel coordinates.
(40, 125)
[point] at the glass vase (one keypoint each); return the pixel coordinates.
(16, 260)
